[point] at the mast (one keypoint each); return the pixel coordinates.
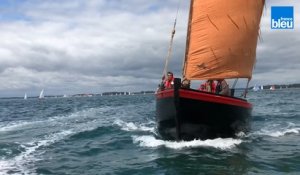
(187, 39)
(171, 44)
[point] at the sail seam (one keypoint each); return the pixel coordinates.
(212, 23)
(245, 22)
(233, 22)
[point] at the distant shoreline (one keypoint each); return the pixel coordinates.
(87, 95)
(279, 86)
(114, 93)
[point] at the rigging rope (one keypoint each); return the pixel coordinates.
(171, 42)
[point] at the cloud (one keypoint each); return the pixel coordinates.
(94, 46)
(277, 54)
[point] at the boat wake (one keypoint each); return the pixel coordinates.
(23, 163)
(65, 121)
(47, 132)
(219, 143)
(14, 125)
(152, 141)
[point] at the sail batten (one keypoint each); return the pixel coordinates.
(222, 39)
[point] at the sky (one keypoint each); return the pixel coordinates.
(95, 46)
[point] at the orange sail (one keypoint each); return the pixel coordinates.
(222, 39)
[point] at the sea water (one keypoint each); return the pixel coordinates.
(117, 135)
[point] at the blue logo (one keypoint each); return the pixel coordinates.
(282, 17)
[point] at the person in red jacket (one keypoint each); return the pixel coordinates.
(169, 81)
(208, 86)
(211, 86)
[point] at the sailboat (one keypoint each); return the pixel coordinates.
(255, 88)
(41, 94)
(25, 96)
(221, 44)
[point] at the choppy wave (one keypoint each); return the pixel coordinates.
(76, 117)
(93, 135)
(130, 126)
(279, 130)
(61, 128)
(219, 143)
(22, 164)
(15, 125)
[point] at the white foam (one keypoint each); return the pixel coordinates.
(219, 143)
(276, 130)
(130, 126)
(14, 126)
(240, 134)
(21, 163)
(55, 120)
(64, 127)
(280, 133)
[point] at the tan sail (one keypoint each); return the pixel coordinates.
(222, 39)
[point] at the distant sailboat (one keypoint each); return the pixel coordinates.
(25, 96)
(255, 88)
(262, 87)
(41, 94)
(272, 87)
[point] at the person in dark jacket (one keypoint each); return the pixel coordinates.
(222, 87)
